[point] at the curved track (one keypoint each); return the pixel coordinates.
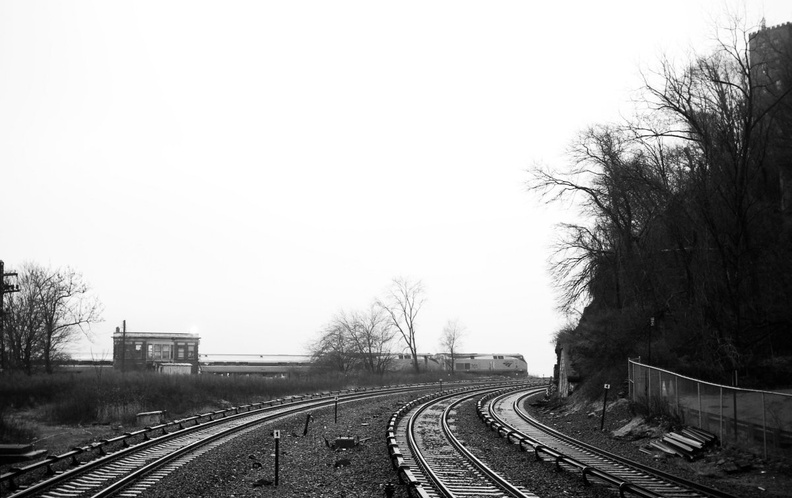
(436, 462)
(503, 413)
(159, 450)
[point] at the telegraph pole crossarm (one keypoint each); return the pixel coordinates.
(5, 288)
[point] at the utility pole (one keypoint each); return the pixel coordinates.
(123, 349)
(5, 288)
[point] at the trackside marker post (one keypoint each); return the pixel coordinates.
(604, 402)
(336, 410)
(276, 435)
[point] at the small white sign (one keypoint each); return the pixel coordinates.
(607, 386)
(276, 434)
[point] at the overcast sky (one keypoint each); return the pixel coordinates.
(244, 170)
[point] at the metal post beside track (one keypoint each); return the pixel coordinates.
(276, 435)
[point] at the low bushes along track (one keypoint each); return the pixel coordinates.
(130, 463)
(430, 459)
(502, 413)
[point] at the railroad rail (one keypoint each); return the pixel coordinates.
(432, 461)
(137, 459)
(503, 414)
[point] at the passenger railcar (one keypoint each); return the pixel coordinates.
(286, 365)
(254, 364)
(426, 363)
(489, 363)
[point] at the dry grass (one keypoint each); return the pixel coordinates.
(107, 397)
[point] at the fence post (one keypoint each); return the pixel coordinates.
(698, 389)
(630, 379)
(676, 390)
(734, 409)
(720, 424)
(660, 385)
(764, 426)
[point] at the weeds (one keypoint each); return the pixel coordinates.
(657, 410)
(14, 429)
(113, 397)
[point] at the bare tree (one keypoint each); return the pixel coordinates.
(24, 327)
(332, 349)
(371, 334)
(402, 304)
(621, 182)
(357, 340)
(453, 332)
(685, 220)
(52, 307)
(66, 305)
(726, 110)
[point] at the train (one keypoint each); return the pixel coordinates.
(490, 363)
(287, 365)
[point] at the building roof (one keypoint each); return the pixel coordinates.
(156, 335)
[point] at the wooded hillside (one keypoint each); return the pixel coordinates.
(684, 252)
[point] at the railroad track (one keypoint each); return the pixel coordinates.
(432, 460)
(503, 414)
(129, 464)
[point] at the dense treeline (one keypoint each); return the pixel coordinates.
(684, 254)
(49, 310)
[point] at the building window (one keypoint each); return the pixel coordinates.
(159, 352)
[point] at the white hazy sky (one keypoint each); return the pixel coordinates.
(247, 169)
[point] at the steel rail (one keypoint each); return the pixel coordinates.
(259, 412)
(425, 471)
(135, 476)
(559, 457)
(501, 482)
(655, 483)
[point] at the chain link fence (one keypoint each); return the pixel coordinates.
(745, 417)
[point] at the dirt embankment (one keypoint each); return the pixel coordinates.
(731, 469)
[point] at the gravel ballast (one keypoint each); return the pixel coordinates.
(244, 467)
(731, 470)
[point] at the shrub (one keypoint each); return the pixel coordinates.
(14, 429)
(656, 409)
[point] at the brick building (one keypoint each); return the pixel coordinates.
(770, 53)
(168, 352)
